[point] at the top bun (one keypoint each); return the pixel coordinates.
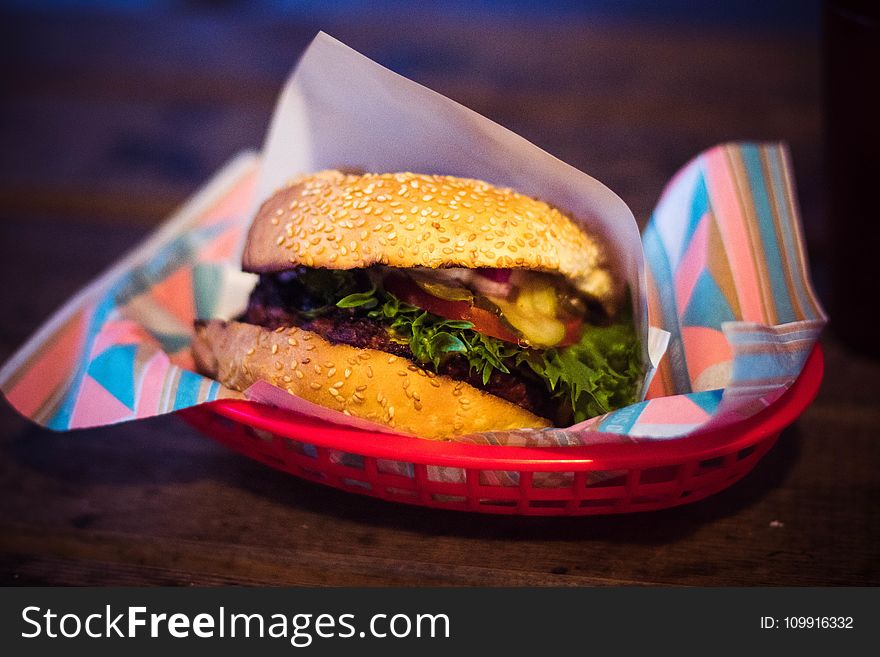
(334, 220)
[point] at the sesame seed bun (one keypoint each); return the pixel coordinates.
(334, 220)
(365, 383)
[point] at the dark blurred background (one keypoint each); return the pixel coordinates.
(113, 113)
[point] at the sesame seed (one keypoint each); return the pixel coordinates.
(333, 391)
(299, 374)
(390, 411)
(314, 385)
(274, 348)
(317, 368)
(347, 372)
(331, 372)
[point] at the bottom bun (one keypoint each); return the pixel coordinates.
(365, 383)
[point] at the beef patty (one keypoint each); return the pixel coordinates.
(269, 307)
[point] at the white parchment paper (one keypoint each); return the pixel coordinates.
(341, 110)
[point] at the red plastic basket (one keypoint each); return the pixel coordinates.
(596, 479)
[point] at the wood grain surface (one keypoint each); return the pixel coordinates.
(109, 121)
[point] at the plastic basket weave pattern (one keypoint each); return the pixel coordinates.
(545, 481)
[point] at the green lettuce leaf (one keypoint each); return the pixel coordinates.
(359, 299)
(596, 375)
(600, 373)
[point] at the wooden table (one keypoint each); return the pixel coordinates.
(110, 121)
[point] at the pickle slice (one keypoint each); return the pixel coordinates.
(533, 314)
(443, 291)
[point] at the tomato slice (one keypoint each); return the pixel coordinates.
(573, 330)
(484, 321)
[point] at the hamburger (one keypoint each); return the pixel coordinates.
(436, 305)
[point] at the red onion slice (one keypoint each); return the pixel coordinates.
(489, 288)
(494, 285)
(497, 275)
